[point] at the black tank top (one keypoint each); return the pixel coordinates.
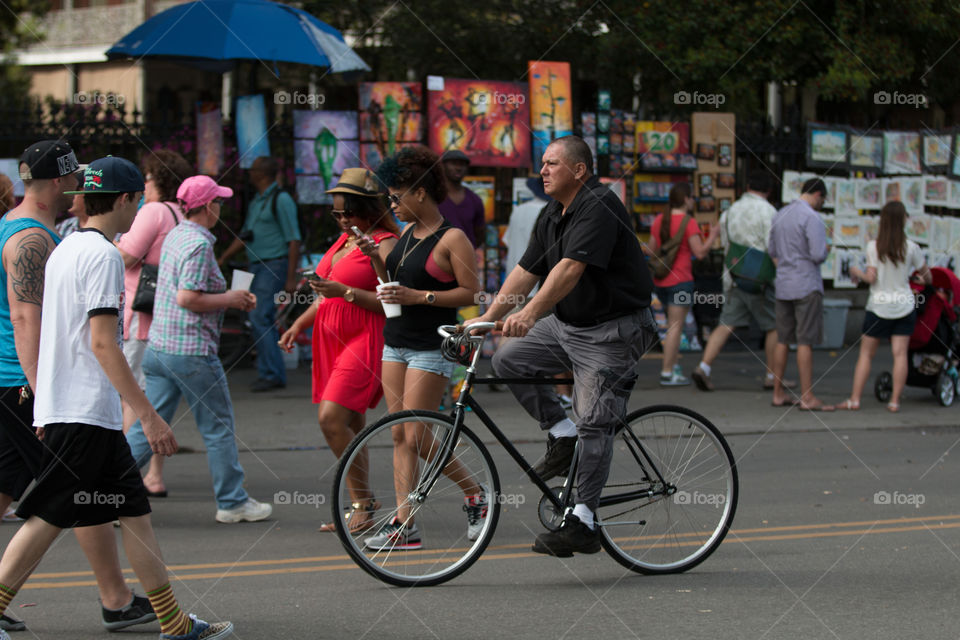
(416, 327)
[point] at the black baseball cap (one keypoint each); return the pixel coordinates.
(455, 155)
(111, 175)
(48, 159)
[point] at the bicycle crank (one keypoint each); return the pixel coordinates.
(550, 516)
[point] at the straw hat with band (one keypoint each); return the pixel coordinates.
(357, 182)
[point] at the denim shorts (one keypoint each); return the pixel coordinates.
(430, 361)
(877, 327)
(680, 295)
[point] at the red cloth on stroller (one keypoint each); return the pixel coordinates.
(943, 301)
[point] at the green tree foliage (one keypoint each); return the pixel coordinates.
(845, 49)
(19, 26)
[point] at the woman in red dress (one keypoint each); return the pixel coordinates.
(348, 324)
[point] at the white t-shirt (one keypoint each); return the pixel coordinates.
(84, 278)
(891, 296)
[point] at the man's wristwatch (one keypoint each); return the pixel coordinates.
(349, 295)
(430, 297)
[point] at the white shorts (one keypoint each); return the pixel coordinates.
(133, 351)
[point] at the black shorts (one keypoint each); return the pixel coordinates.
(882, 328)
(21, 453)
(88, 478)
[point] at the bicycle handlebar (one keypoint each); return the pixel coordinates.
(447, 330)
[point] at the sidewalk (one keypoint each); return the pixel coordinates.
(287, 419)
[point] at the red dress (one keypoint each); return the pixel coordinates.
(348, 339)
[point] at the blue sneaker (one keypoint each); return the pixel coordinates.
(201, 631)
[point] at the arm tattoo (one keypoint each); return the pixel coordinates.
(30, 258)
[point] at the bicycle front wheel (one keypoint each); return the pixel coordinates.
(415, 535)
(672, 491)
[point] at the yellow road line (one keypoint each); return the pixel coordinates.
(341, 562)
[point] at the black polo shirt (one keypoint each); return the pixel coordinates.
(596, 230)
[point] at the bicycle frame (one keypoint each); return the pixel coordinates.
(465, 401)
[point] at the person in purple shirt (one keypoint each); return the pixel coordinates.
(462, 208)
(798, 244)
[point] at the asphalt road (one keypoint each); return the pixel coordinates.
(814, 553)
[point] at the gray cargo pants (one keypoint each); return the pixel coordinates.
(603, 359)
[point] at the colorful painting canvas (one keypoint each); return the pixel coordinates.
(551, 107)
(792, 184)
(483, 186)
(939, 234)
(486, 119)
(890, 187)
(844, 259)
(827, 266)
(846, 198)
(866, 152)
(325, 143)
(954, 199)
(848, 232)
(918, 228)
(911, 194)
(209, 139)
(827, 147)
(936, 152)
(830, 201)
(390, 113)
(252, 140)
(867, 194)
(901, 152)
(936, 191)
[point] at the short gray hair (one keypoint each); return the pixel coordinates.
(575, 150)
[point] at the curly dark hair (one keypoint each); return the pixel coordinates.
(414, 167)
(373, 210)
(167, 169)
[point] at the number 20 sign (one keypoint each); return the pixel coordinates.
(663, 137)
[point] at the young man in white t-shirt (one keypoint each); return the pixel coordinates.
(89, 476)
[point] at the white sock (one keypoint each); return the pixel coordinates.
(666, 374)
(770, 375)
(704, 367)
(564, 429)
(584, 514)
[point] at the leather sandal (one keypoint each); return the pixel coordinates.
(355, 524)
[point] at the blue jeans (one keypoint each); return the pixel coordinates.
(201, 380)
(269, 277)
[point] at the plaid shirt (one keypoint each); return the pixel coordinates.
(186, 262)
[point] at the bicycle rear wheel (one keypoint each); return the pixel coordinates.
(446, 548)
(659, 525)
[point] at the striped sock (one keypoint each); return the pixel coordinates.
(173, 621)
(6, 595)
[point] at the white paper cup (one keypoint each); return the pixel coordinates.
(241, 280)
(390, 309)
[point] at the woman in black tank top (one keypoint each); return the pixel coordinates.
(435, 266)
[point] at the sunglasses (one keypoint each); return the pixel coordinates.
(338, 214)
(394, 198)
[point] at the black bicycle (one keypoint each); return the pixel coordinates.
(667, 505)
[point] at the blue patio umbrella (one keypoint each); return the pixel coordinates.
(215, 34)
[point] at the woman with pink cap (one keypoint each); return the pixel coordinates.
(181, 359)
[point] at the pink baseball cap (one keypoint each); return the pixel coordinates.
(197, 191)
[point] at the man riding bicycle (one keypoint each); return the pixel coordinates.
(593, 277)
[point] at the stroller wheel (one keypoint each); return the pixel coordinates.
(945, 390)
(883, 387)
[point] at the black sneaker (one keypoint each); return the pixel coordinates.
(556, 462)
(12, 624)
(572, 537)
(137, 612)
